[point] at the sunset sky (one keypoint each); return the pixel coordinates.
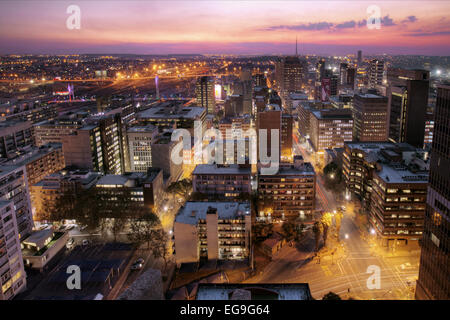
(241, 27)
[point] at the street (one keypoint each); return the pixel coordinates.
(342, 267)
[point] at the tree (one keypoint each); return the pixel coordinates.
(143, 228)
(159, 246)
(317, 230)
(338, 219)
(326, 224)
(333, 178)
(262, 231)
(331, 296)
(290, 231)
(182, 188)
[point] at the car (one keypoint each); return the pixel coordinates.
(85, 242)
(139, 261)
(70, 243)
(70, 227)
(136, 266)
(82, 228)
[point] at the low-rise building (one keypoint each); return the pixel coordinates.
(144, 189)
(212, 231)
(46, 192)
(42, 246)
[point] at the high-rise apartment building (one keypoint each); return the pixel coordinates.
(212, 231)
(15, 135)
(434, 271)
(14, 188)
(204, 91)
(13, 277)
(370, 117)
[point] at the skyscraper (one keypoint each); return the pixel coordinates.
(290, 75)
(434, 271)
(408, 99)
(370, 117)
(343, 71)
(359, 57)
(376, 70)
(204, 91)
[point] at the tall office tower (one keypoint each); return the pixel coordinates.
(343, 72)
(14, 188)
(140, 139)
(260, 80)
(270, 120)
(376, 70)
(334, 85)
(204, 91)
(234, 105)
(408, 100)
(330, 128)
(291, 74)
(320, 69)
(15, 135)
(97, 146)
(287, 122)
(370, 117)
(407, 110)
(351, 76)
(434, 271)
(359, 57)
(13, 279)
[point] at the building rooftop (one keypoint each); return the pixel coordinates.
(138, 129)
(290, 169)
(392, 173)
(221, 169)
(125, 180)
(171, 112)
(326, 114)
(29, 154)
(285, 291)
(191, 212)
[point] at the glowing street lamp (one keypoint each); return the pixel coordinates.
(346, 236)
(372, 231)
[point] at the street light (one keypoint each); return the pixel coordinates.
(346, 236)
(372, 231)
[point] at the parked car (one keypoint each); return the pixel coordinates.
(70, 243)
(85, 242)
(139, 261)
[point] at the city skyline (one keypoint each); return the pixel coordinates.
(227, 27)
